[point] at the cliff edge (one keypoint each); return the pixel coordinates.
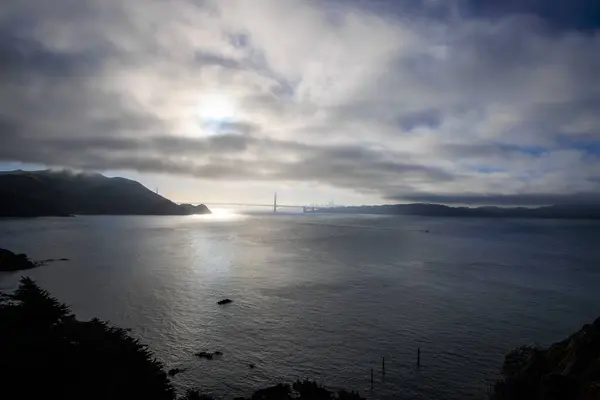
(566, 370)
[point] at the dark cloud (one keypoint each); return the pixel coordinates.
(560, 14)
(525, 199)
(23, 57)
(345, 166)
(359, 168)
(66, 146)
(212, 59)
(427, 118)
(483, 150)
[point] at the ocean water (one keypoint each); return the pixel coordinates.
(323, 297)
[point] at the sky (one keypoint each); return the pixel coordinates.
(352, 101)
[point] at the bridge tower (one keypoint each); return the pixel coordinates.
(275, 202)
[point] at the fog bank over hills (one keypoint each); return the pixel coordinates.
(560, 211)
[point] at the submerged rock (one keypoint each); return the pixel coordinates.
(175, 371)
(50, 260)
(208, 355)
(205, 355)
(224, 301)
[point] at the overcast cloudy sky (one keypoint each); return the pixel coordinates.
(359, 101)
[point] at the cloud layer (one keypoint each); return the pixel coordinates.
(424, 101)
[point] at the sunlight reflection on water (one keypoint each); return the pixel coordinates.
(222, 214)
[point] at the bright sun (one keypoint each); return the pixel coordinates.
(216, 108)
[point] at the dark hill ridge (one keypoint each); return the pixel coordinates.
(59, 193)
(563, 211)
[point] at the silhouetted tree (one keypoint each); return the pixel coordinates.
(278, 392)
(45, 352)
(311, 390)
(344, 395)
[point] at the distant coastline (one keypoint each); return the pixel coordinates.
(65, 194)
(567, 211)
(50, 193)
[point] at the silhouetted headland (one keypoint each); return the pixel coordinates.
(10, 261)
(195, 209)
(64, 193)
(565, 211)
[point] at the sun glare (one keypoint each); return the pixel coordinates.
(221, 214)
(216, 107)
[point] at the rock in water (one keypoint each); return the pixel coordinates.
(204, 354)
(175, 371)
(224, 301)
(10, 261)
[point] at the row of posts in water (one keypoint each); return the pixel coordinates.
(383, 365)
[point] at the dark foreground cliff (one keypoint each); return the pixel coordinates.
(62, 193)
(567, 370)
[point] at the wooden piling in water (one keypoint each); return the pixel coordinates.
(371, 378)
(383, 365)
(418, 356)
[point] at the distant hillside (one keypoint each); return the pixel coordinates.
(583, 211)
(59, 193)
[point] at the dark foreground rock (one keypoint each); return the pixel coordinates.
(10, 261)
(567, 370)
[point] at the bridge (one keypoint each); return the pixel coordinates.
(305, 209)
